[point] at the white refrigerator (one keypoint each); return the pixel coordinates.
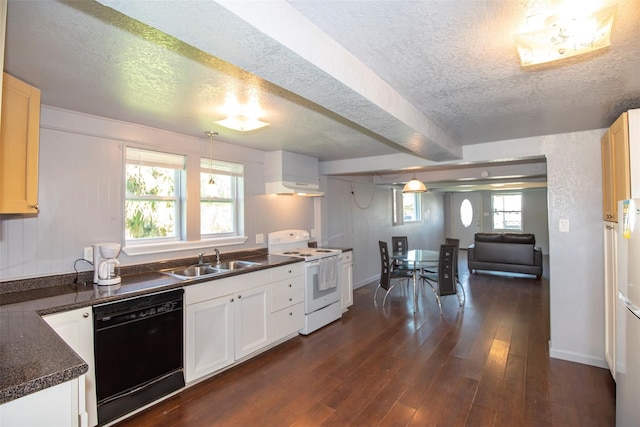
(628, 315)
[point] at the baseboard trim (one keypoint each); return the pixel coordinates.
(367, 281)
(577, 357)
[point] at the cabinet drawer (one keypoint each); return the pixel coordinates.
(294, 296)
(284, 286)
(289, 270)
(288, 321)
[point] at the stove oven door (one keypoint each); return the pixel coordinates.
(314, 298)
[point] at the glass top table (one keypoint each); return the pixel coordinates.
(417, 258)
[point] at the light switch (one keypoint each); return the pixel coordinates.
(563, 225)
(259, 239)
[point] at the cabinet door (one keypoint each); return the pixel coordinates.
(253, 320)
(76, 329)
(209, 337)
(53, 406)
(346, 279)
(619, 137)
(610, 292)
(19, 141)
(608, 209)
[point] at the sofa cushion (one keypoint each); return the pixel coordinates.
(505, 253)
(519, 238)
(488, 237)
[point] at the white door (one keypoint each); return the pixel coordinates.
(466, 217)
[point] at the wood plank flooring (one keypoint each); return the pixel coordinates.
(488, 365)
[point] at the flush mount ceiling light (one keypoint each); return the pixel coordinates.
(242, 116)
(242, 123)
(565, 35)
(414, 186)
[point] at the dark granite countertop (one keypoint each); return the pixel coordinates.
(33, 357)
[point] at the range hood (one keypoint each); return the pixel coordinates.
(291, 174)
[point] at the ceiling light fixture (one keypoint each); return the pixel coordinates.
(563, 36)
(242, 123)
(211, 134)
(414, 186)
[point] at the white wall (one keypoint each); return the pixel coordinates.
(361, 219)
(80, 195)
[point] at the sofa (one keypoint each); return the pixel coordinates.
(510, 252)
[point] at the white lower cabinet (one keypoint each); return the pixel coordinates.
(53, 406)
(75, 327)
(610, 293)
(229, 319)
(287, 305)
(253, 320)
(346, 280)
(209, 337)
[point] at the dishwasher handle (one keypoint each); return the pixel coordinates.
(135, 309)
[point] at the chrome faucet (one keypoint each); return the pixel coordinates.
(201, 258)
(217, 256)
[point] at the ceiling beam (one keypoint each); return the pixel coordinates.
(275, 42)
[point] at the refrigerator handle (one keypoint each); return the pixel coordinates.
(630, 306)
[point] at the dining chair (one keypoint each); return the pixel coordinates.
(456, 243)
(444, 282)
(400, 245)
(389, 277)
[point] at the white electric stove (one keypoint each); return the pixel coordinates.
(322, 276)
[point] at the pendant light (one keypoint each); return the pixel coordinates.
(211, 134)
(414, 186)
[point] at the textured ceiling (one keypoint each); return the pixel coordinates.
(335, 79)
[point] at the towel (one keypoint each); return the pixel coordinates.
(328, 273)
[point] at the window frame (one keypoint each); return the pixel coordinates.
(397, 201)
(189, 221)
(218, 168)
(504, 212)
(165, 160)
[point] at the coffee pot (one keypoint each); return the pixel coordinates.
(106, 268)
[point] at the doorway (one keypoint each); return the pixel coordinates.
(466, 217)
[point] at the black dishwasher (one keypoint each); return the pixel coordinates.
(138, 352)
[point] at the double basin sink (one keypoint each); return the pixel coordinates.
(200, 271)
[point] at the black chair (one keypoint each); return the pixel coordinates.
(400, 245)
(444, 281)
(389, 277)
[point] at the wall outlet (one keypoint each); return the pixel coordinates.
(563, 225)
(259, 239)
(88, 253)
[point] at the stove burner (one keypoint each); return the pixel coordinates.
(306, 255)
(291, 253)
(323, 250)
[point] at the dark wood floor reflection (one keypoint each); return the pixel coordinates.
(488, 365)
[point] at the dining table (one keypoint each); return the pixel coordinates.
(417, 259)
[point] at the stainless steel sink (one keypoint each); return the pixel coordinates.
(195, 271)
(235, 265)
(199, 271)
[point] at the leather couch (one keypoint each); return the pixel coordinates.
(511, 252)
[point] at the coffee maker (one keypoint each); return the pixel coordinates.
(106, 268)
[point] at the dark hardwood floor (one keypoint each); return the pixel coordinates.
(488, 365)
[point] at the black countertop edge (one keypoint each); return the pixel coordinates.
(33, 357)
